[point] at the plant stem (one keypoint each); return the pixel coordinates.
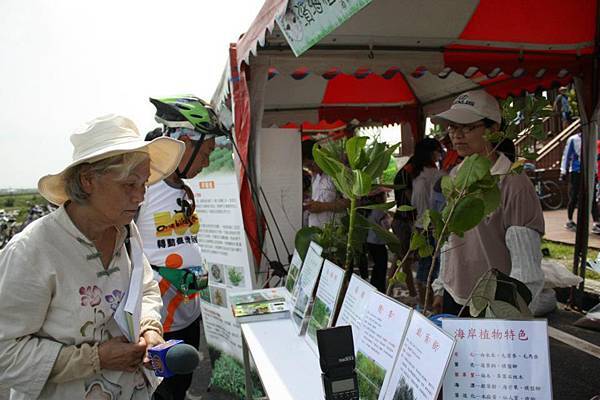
(351, 223)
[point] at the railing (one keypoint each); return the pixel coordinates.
(550, 155)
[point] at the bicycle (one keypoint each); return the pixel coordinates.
(547, 191)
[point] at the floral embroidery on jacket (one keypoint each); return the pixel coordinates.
(90, 295)
(114, 299)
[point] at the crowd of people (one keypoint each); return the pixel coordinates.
(116, 200)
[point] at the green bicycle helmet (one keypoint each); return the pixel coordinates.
(187, 112)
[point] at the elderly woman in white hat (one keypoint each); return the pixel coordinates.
(68, 281)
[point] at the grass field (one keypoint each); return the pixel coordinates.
(21, 201)
(564, 254)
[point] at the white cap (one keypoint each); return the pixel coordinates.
(471, 107)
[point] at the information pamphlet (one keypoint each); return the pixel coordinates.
(259, 305)
(499, 359)
(354, 305)
(326, 298)
(307, 280)
(293, 272)
(423, 358)
(382, 330)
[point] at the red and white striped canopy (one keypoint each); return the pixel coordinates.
(394, 55)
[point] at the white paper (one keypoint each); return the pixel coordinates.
(305, 287)
(382, 331)
(326, 298)
(293, 272)
(422, 361)
(498, 358)
(128, 313)
(354, 305)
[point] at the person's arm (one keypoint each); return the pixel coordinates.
(25, 358)
(564, 162)
(524, 245)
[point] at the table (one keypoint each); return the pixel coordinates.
(287, 367)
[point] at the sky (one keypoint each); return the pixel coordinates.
(65, 62)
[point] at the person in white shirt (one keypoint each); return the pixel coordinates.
(169, 226)
(63, 279)
(325, 204)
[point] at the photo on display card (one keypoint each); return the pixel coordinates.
(293, 272)
(305, 287)
(328, 291)
(383, 326)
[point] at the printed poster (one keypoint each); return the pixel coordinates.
(307, 280)
(221, 235)
(326, 298)
(354, 305)
(498, 358)
(423, 359)
(382, 331)
(306, 22)
(222, 238)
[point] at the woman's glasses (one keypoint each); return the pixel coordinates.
(453, 129)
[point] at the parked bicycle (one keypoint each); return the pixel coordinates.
(547, 191)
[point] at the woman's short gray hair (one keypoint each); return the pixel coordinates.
(123, 163)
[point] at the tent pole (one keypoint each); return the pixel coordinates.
(587, 95)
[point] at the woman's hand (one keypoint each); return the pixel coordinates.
(150, 339)
(120, 355)
(437, 306)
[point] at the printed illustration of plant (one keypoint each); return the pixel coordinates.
(370, 377)
(319, 318)
(235, 277)
(403, 391)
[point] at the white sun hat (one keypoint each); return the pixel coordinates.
(108, 136)
(471, 107)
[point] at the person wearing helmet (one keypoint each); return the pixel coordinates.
(169, 226)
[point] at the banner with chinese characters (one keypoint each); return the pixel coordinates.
(498, 359)
(222, 238)
(306, 22)
(221, 233)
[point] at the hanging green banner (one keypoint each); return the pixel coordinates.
(306, 22)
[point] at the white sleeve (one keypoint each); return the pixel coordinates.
(26, 358)
(524, 245)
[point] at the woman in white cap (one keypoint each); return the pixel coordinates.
(509, 238)
(65, 279)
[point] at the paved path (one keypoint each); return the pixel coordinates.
(556, 231)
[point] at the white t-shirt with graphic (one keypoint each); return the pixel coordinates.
(170, 241)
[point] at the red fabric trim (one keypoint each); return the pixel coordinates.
(540, 22)
(385, 115)
(241, 98)
(373, 88)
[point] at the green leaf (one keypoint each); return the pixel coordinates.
(388, 237)
(468, 214)
(426, 251)
(378, 165)
(398, 278)
(344, 182)
(354, 149)
(329, 165)
(484, 292)
(504, 310)
(361, 185)
(405, 208)
(303, 238)
(491, 200)
(417, 240)
(438, 224)
(473, 168)
(426, 219)
(447, 186)
(84, 328)
(380, 206)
